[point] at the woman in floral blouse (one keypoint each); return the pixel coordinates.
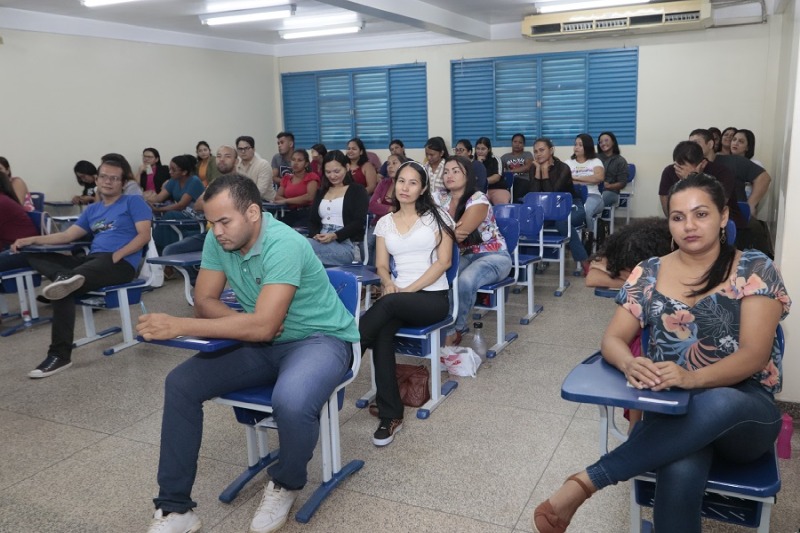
(712, 312)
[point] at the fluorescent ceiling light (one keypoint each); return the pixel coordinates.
(322, 32)
(340, 19)
(219, 6)
(586, 4)
(98, 3)
(248, 15)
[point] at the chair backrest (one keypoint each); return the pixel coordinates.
(631, 172)
(346, 286)
(507, 210)
(730, 232)
(38, 200)
(583, 191)
(555, 205)
(509, 227)
(508, 179)
(744, 209)
(42, 221)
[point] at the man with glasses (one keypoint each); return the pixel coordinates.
(282, 161)
(254, 167)
(120, 226)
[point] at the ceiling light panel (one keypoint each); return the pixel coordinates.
(100, 3)
(322, 32)
(248, 15)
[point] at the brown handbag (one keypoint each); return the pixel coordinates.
(414, 383)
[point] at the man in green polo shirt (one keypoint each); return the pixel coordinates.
(297, 335)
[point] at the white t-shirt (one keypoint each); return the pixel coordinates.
(330, 211)
(412, 250)
(585, 170)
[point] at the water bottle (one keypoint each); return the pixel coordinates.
(26, 319)
(785, 438)
(478, 344)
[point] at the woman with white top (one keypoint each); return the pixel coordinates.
(587, 170)
(743, 143)
(338, 214)
(419, 236)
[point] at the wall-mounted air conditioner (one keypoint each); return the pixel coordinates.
(650, 18)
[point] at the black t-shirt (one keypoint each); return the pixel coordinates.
(723, 175)
(743, 170)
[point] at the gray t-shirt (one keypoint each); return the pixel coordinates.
(512, 161)
(284, 166)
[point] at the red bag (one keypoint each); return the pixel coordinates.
(414, 383)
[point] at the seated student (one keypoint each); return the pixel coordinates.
(20, 187)
(484, 254)
(396, 147)
(181, 191)
(615, 166)
(317, 154)
(550, 174)
(129, 184)
(86, 174)
(731, 367)
(206, 168)
(464, 149)
(743, 143)
(419, 236)
(725, 140)
(121, 228)
(716, 134)
(339, 213)
(359, 165)
(297, 190)
(296, 335)
(587, 170)
(381, 202)
(520, 162)
(435, 154)
(496, 188)
(14, 224)
(152, 173)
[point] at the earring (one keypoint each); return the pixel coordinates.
(672, 245)
(723, 236)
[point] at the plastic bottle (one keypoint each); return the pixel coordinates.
(785, 438)
(26, 318)
(478, 343)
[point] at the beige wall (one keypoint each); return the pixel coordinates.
(78, 98)
(686, 80)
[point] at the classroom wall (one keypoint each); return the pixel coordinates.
(67, 98)
(686, 80)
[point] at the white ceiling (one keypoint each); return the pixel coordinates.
(388, 23)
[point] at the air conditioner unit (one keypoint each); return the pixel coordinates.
(651, 18)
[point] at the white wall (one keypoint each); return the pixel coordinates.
(686, 80)
(68, 98)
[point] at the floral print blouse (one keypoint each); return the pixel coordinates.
(493, 240)
(702, 334)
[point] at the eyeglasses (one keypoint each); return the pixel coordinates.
(244, 148)
(106, 177)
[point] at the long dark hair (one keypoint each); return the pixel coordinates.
(588, 146)
(487, 143)
(84, 167)
(363, 158)
(6, 187)
(470, 189)
(424, 203)
(339, 157)
(614, 143)
(723, 264)
(634, 243)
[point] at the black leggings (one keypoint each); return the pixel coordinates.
(378, 327)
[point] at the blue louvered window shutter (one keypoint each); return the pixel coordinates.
(375, 104)
(516, 89)
(564, 102)
(613, 79)
(472, 93)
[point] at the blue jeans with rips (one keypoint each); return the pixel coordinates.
(304, 373)
(475, 270)
(738, 423)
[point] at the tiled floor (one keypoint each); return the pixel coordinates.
(78, 450)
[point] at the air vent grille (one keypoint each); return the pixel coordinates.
(687, 16)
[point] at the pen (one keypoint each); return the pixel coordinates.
(144, 309)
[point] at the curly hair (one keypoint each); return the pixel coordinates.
(635, 242)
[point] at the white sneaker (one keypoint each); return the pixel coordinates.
(274, 509)
(187, 522)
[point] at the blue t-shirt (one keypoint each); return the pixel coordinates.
(194, 188)
(114, 226)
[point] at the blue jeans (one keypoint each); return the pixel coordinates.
(192, 243)
(610, 198)
(737, 423)
(578, 219)
(304, 372)
(475, 270)
(334, 253)
(593, 206)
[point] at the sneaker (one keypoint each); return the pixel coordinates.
(386, 429)
(63, 286)
(274, 509)
(187, 522)
(50, 366)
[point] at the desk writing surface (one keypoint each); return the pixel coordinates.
(366, 275)
(66, 247)
(186, 259)
(197, 344)
(595, 381)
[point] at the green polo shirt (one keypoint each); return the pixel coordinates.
(281, 255)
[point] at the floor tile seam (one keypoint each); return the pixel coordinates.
(422, 507)
(138, 420)
(34, 417)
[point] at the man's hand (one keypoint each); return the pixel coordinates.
(158, 326)
(116, 257)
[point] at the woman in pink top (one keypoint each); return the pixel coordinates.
(19, 185)
(297, 190)
(360, 168)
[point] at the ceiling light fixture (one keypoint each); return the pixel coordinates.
(322, 32)
(99, 3)
(585, 4)
(248, 15)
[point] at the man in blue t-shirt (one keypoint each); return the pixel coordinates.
(296, 335)
(120, 226)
